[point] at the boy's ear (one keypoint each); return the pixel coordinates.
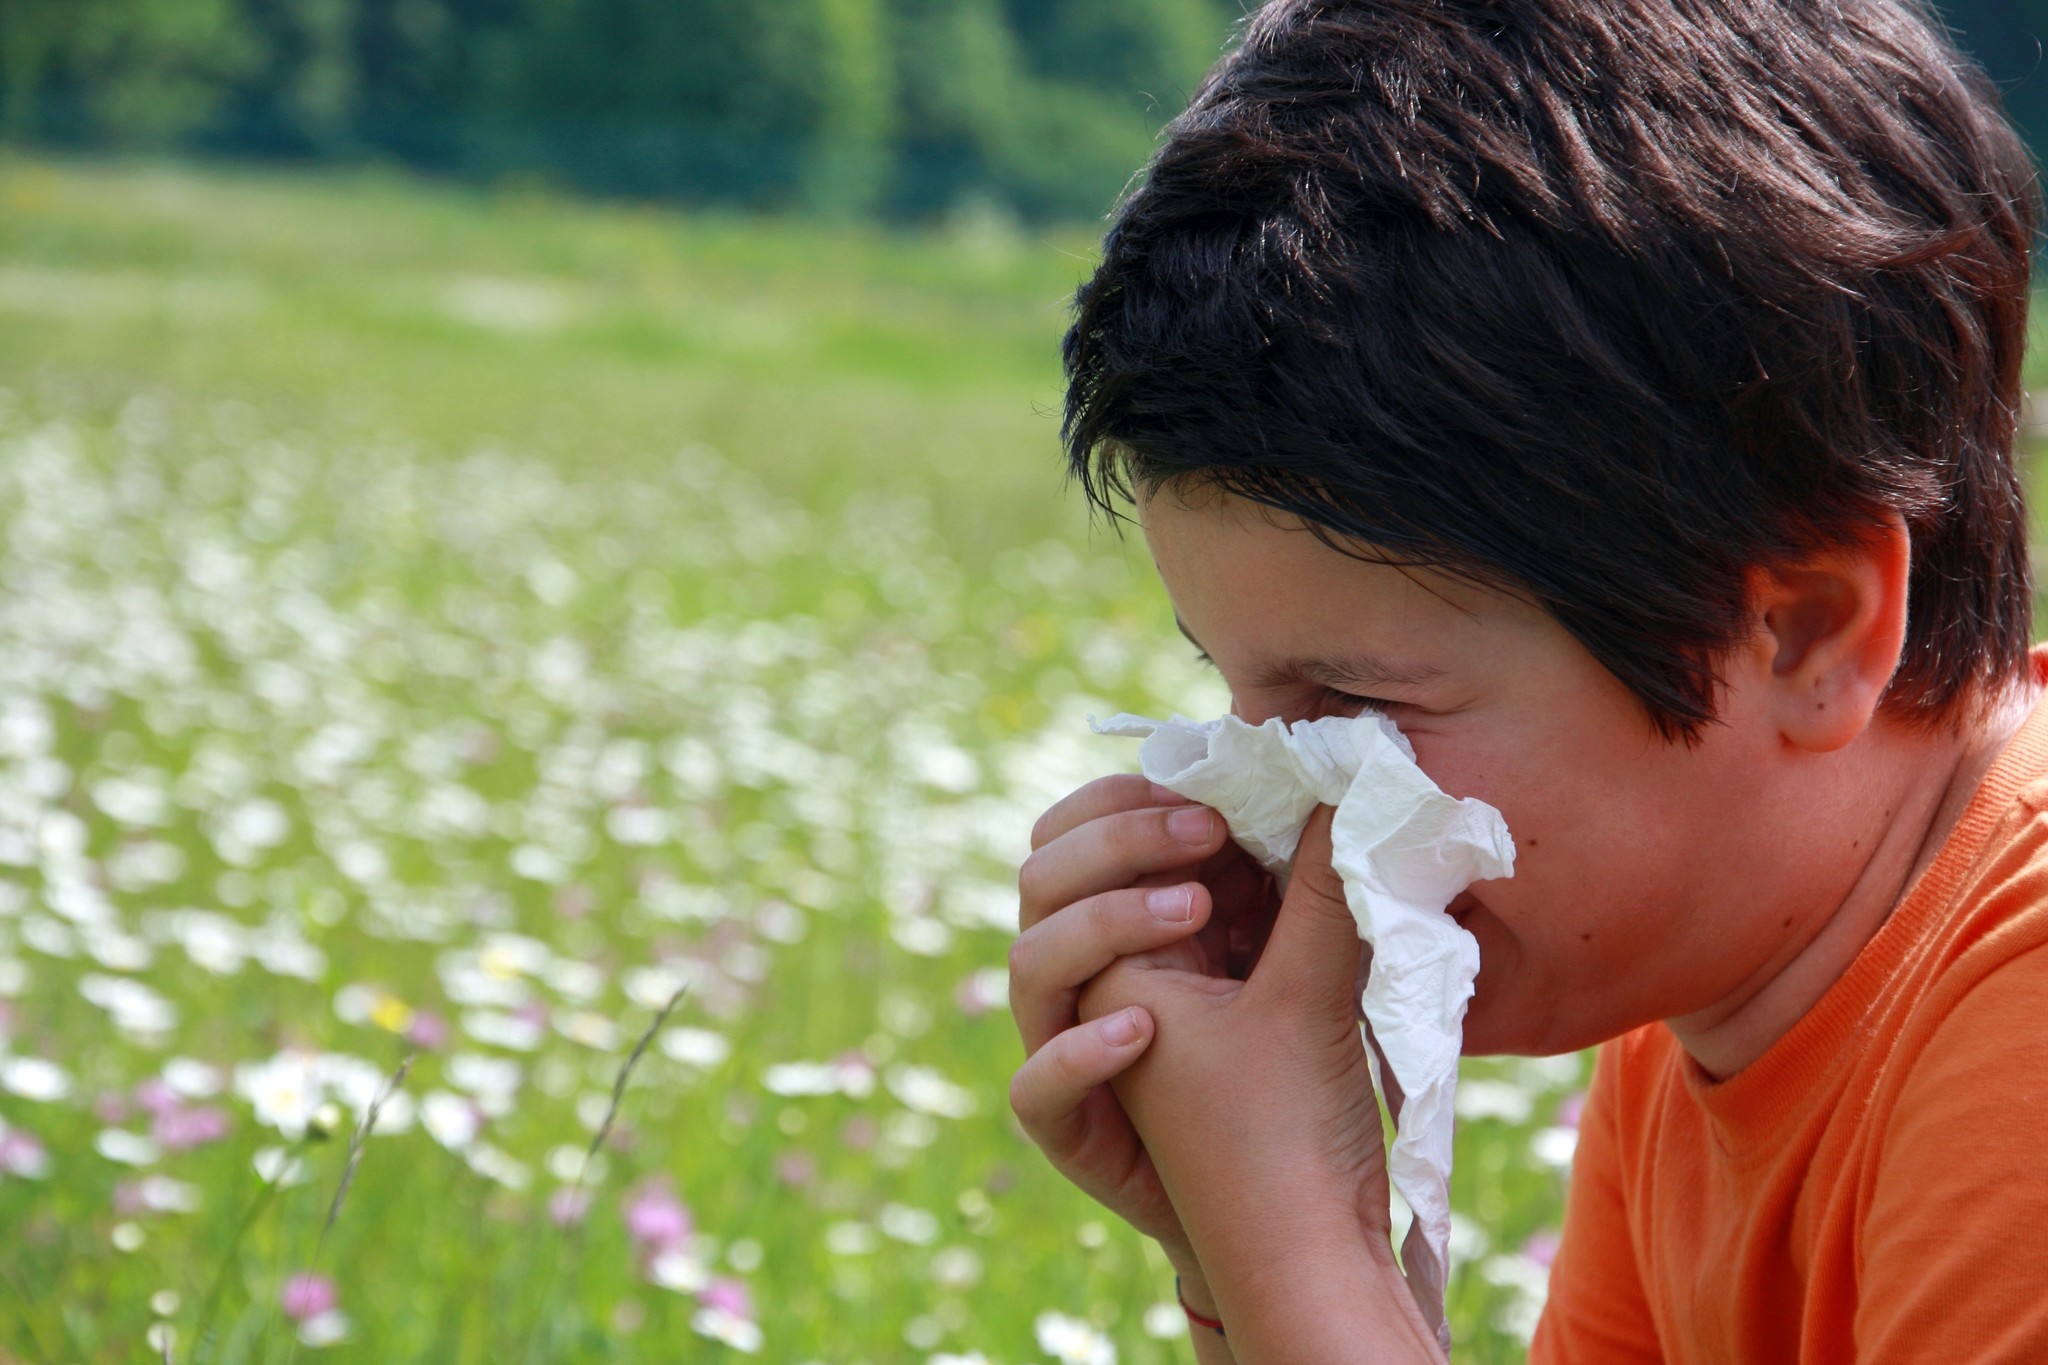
(1830, 631)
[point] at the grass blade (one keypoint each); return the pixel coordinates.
(356, 1142)
(571, 1236)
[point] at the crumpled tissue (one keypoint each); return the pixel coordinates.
(1404, 849)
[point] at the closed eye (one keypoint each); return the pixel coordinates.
(1356, 702)
(1344, 702)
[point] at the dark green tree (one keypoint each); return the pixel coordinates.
(984, 112)
(116, 71)
(777, 102)
(1150, 51)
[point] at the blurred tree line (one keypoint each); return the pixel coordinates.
(897, 107)
(902, 107)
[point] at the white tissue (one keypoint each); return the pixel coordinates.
(1404, 850)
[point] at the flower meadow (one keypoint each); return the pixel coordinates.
(471, 905)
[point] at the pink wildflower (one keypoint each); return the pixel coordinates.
(21, 1154)
(728, 1296)
(185, 1126)
(428, 1030)
(156, 1095)
(1541, 1247)
(1570, 1111)
(655, 1219)
(307, 1295)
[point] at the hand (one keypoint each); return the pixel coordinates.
(1100, 858)
(1255, 1104)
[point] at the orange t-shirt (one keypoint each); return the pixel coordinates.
(1874, 1188)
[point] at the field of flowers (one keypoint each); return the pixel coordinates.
(417, 696)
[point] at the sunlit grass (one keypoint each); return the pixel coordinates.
(824, 359)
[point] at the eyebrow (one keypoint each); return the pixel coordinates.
(1341, 671)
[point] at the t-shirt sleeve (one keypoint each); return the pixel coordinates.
(1597, 1313)
(1955, 1243)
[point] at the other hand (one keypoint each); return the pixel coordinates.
(1121, 866)
(1254, 1099)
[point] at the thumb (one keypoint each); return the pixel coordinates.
(1313, 952)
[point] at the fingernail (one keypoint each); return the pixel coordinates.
(1167, 796)
(1174, 904)
(1121, 1028)
(1191, 826)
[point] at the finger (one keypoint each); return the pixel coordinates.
(1109, 853)
(1313, 949)
(1053, 959)
(1047, 1092)
(1103, 796)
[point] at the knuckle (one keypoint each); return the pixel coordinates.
(1062, 1066)
(1118, 791)
(1031, 878)
(1110, 920)
(1046, 828)
(1114, 792)
(1127, 791)
(1036, 1084)
(1023, 955)
(1132, 834)
(1020, 1097)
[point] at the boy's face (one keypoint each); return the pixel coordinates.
(1652, 880)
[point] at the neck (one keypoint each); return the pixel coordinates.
(1934, 778)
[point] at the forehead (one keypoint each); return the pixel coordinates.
(1236, 568)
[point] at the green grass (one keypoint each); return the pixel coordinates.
(504, 610)
(824, 359)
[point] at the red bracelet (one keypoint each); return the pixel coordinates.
(1196, 1318)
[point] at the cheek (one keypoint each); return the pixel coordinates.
(1585, 831)
(1576, 770)
(1526, 795)
(1535, 812)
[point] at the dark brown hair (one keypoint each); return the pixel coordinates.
(1606, 301)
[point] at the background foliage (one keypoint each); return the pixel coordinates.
(844, 106)
(902, 107)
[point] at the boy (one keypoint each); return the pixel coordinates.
(1620, 394)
